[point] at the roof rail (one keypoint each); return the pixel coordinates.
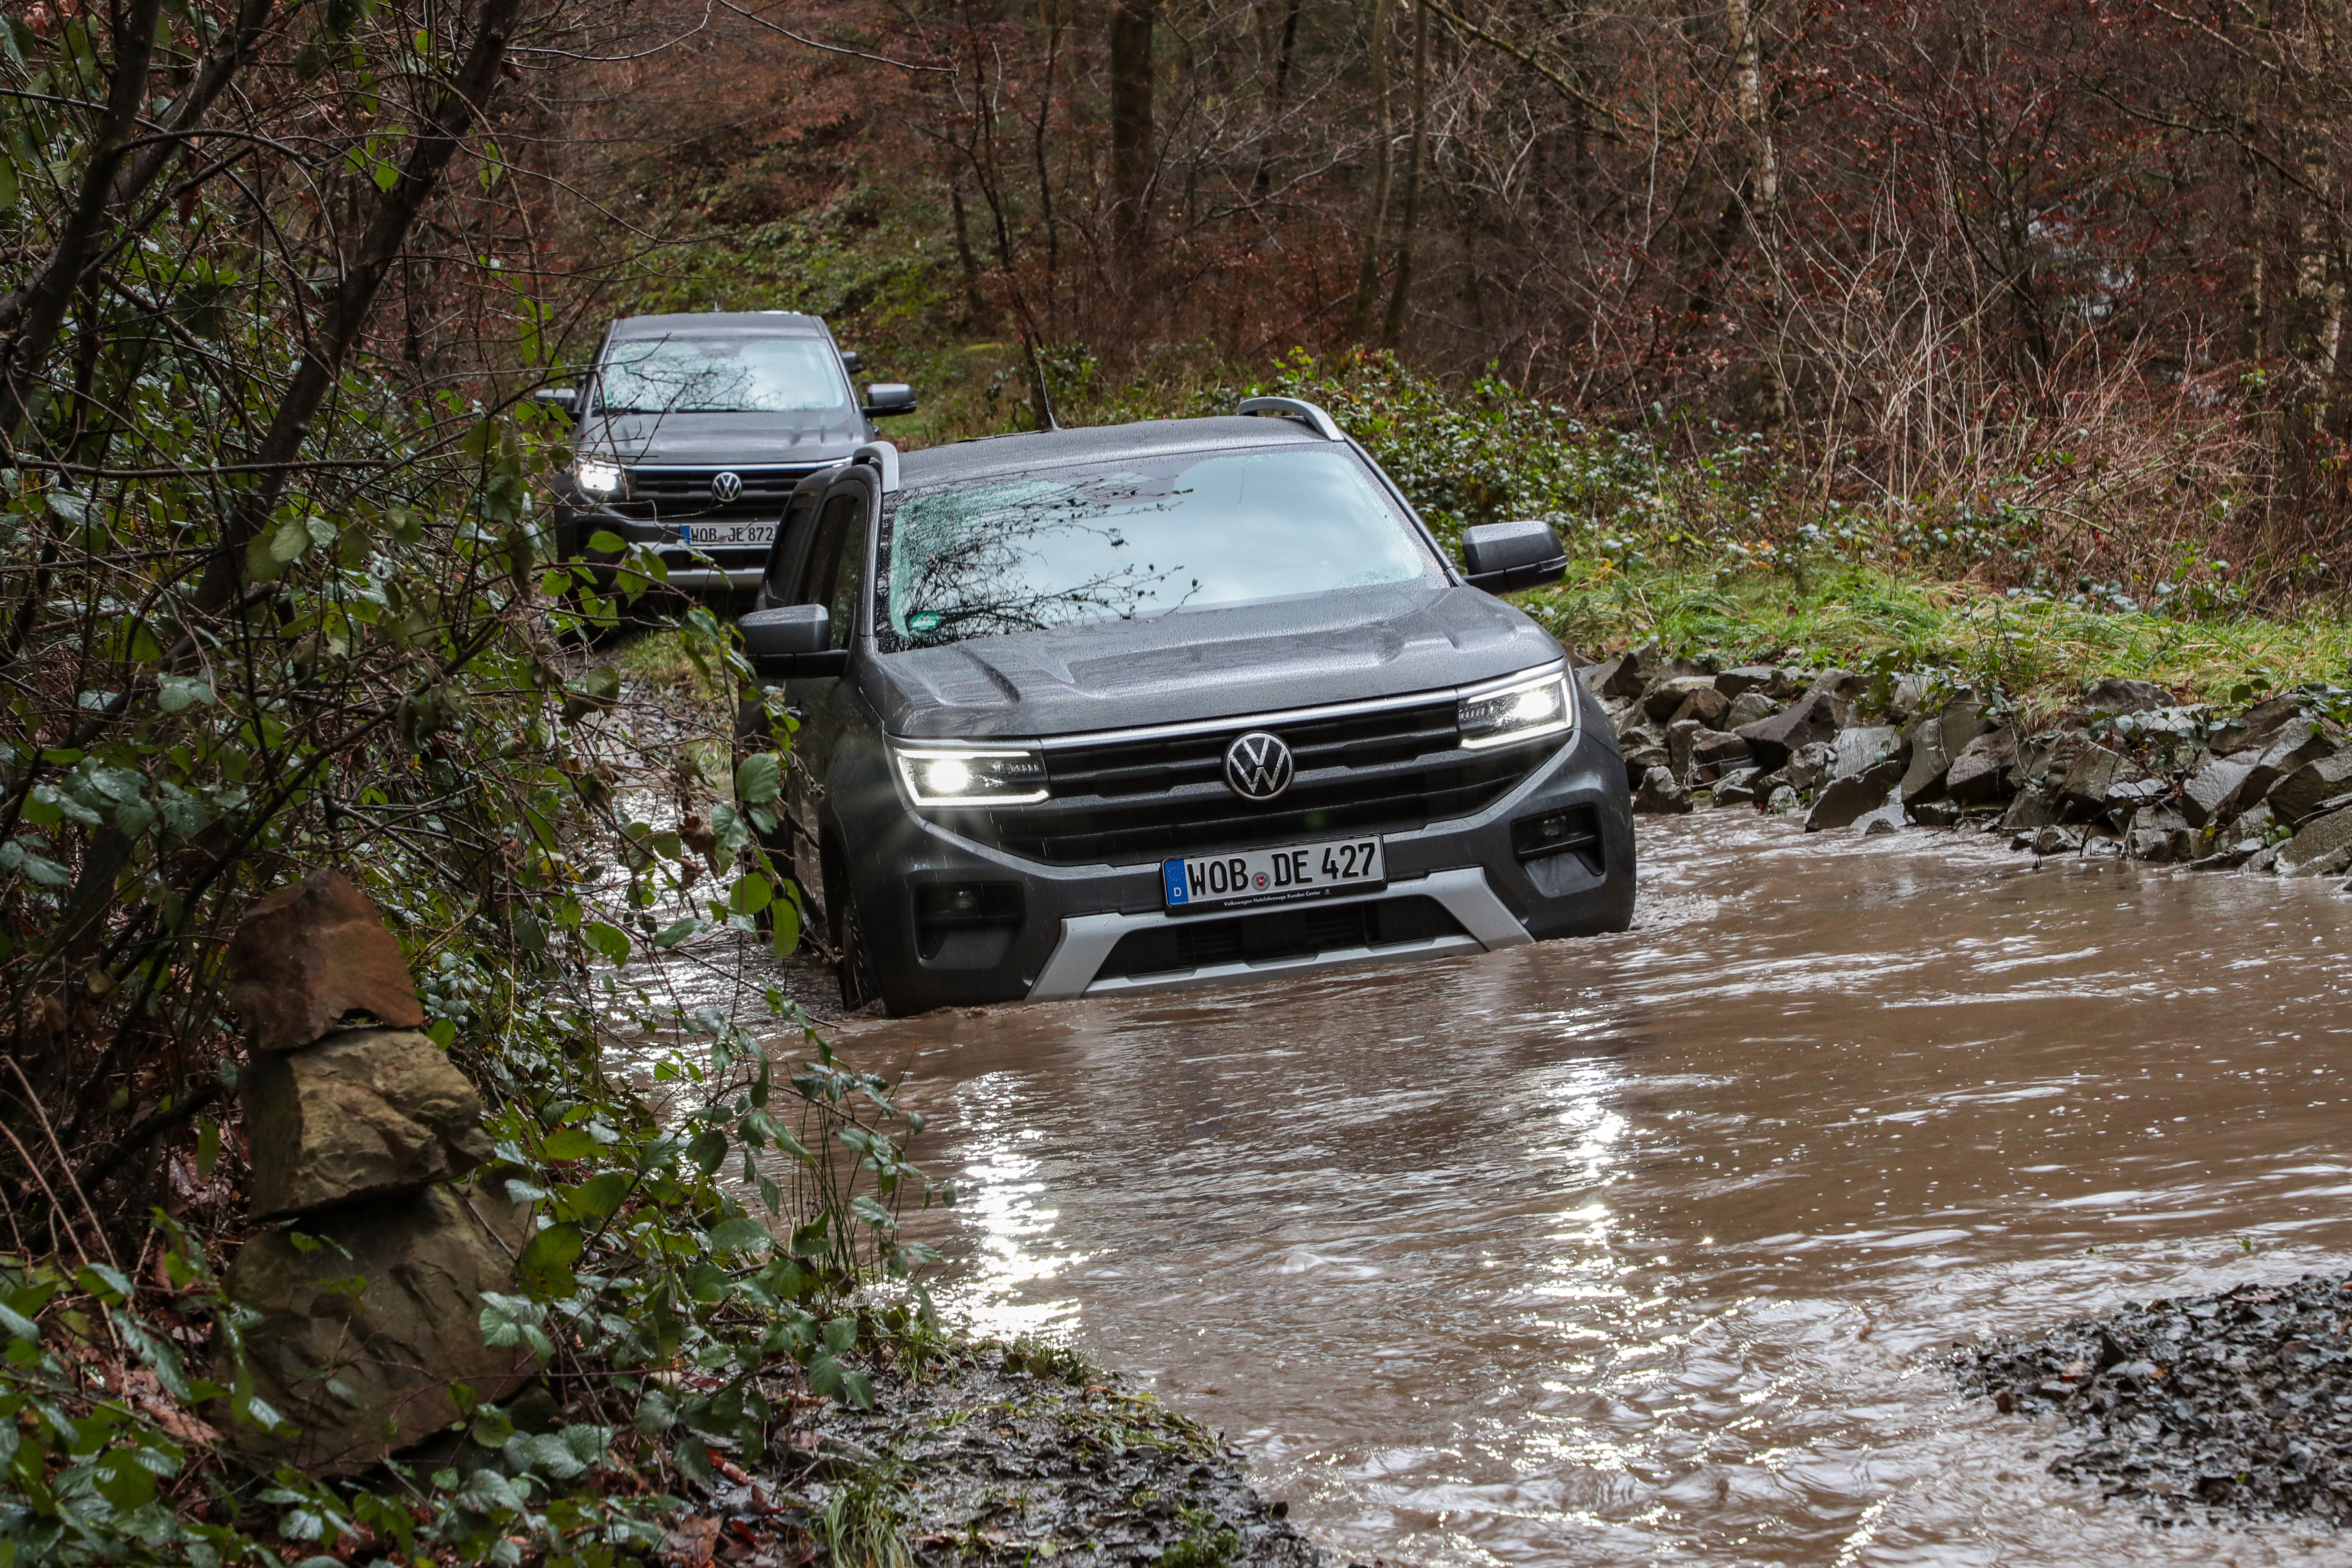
(883, 456)
(1306, 413)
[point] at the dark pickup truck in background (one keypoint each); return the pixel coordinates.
(692, 431)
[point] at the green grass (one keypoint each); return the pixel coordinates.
(2040, 651)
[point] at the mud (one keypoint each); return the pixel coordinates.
(2240, 1401)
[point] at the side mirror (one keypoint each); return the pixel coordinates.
(790, 642)
(564, 397)
(884, 398)
(1503, 557)
(853, 361)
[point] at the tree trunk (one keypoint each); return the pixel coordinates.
(1265, 178)
(1131, 24)
(1392, 328)
(1367, 275)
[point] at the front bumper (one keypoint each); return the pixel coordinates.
(694, 569)
(1074, 920)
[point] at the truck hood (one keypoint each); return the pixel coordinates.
(723, 440)
(1205, 664)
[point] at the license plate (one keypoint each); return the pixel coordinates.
(746, 533)
(1272, 876)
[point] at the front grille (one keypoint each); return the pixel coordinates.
(683, 495)
(1274, 934)
(1390, 770)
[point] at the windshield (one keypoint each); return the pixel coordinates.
(1136, 539)
(730, 374)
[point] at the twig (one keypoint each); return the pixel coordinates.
(63, 1164)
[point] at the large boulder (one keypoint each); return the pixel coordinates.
(362, 1329)
(2256, 729)
(1737, 683)
(1664, 698)
(1713, 751)
(1937, 738)
(1750, 708)
(1810, 768)
(1811, 718)
(1659, 796)
(2301, 743)
(363, 1114)
(315, 957)
(2300, 793)
(2218, 791)
(1980, 774)
(1844, 801)
(2102, 779)
(1864, 748)
(2320, 847)
(1679, 735)
(2116, 695)
(1710, 708)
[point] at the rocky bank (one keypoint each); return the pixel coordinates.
(2239, 1401)
(2127, 770)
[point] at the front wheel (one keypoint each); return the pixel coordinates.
(855, 971)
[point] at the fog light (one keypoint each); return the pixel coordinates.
(1574, 829)
(944, 908)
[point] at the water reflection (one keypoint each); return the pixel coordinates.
(1642, 1249)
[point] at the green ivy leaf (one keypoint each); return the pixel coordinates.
(545, 1267)
(758, 779)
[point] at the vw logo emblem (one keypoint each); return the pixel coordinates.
(726, 487)
(1259, 765)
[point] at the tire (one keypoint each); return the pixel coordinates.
(850, 967)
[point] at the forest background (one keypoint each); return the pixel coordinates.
(2004, 338)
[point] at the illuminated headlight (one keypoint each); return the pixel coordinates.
(598, 479)
(1519, 711)
(943, 777)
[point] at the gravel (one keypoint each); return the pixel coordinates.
(2239, 1402)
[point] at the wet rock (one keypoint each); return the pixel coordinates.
(2230, 1401)
(1712, 751)
(1980, 774)
(2320, 847)
(361, 1114)
(1664, 698)
(1937, 813)
(313, 957)
(1750, 708)
(2218, 791)
(2256, 729)
(1885, 820)
(1709, 707)
(1679, 735)
(1737, 787)
(2033, 808)
(2116, 695)
(2054, 839)
(1660, 795)
(360, 1337)
(1810, 768)
(2099, 780)
(1784, 799)
(1862, 748)
(1632, 722)
(2300, 743)
(1599, 677)
(1757, 678)
(2161, 835)
(1843, 685)
(2302, 792)
(1640, 759)
(1811, 719)
(1842, 802)
(1937, 738)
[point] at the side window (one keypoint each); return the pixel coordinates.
(792, 548)
(849, 578)
(837, 567)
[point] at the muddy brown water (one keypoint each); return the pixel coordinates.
(1642, 1249)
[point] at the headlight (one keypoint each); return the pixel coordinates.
(939, 776)
(1522, 710)
(597, 479)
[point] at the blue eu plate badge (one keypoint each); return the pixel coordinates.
(1173, 871)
